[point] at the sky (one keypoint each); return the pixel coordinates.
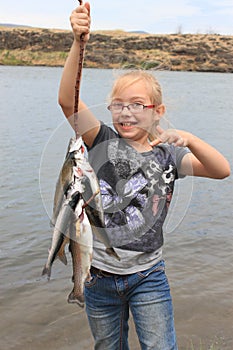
(152, 16)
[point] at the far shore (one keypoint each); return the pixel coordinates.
(118, 49)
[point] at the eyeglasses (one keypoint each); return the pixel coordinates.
(132, 107)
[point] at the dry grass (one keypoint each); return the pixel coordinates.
(32, 58)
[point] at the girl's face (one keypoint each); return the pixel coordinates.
(135, 125)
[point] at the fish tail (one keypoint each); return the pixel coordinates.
(111, 252)
(76, 299)
(46, 271)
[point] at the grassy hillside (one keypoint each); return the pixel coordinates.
(119, 49)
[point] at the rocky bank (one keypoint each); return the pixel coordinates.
(118, 49)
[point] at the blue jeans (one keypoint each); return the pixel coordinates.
(146, 294)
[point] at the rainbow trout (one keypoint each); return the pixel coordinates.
(77, 202)
(81, 243)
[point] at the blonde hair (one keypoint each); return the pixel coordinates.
(154, 90)
(129, 78)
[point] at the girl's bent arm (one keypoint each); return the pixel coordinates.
(204, 160)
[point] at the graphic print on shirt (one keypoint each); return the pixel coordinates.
(136, 192)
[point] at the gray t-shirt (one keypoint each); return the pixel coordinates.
(136, 190)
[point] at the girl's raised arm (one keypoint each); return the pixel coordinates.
(88, 125)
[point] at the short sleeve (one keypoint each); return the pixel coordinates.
(180, 152)
(105, 133)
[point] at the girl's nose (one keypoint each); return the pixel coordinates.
(126, 111)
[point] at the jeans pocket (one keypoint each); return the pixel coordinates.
(160, 266)
(92, 282)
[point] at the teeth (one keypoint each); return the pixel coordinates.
(127, 124)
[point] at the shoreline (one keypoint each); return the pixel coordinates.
(119, 49)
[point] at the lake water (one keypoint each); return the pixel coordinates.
(198, 239)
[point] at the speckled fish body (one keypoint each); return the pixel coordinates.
(81, 248)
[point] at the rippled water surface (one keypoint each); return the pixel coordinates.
(198, 239)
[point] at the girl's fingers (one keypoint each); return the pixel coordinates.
(155, 142)
(80, 21)
(170, 136)
(159, 130)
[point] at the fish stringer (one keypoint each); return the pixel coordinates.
(78, 81)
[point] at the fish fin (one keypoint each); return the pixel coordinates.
(52, 223)
(62, 258)
(61, 255)
(111, 252)
(46, 271)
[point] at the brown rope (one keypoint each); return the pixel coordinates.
(78, 80)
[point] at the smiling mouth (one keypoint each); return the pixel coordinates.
(127, 124)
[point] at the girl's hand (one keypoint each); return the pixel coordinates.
(80, 21)
(171, 136)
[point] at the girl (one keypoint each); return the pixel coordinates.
(137, 165)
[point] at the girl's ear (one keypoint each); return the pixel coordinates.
(160, 110)
(158, 113)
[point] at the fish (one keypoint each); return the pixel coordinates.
(77, 214)
(81, 248)
(89, 187)
(60, 233)
(64, 180)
